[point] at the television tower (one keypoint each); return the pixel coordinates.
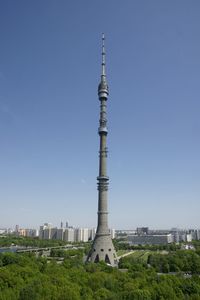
(102, 248)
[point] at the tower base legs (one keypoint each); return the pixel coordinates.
(103, 250)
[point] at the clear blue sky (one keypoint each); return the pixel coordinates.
(49, 71)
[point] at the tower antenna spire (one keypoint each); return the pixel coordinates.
(103, 56)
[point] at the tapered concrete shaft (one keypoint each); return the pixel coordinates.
(102, 248)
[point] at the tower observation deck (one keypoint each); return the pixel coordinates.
(102, 247)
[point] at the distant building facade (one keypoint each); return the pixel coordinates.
(142, 230)
(68, 234)
(142, 236)
(150, 239)
(27, 232)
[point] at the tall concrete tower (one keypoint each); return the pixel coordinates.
(102, 248)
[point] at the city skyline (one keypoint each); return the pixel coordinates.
(49, 67)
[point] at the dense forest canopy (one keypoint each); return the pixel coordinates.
(143, 275)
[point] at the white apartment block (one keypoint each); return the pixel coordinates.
(69, 234)
(81, 234)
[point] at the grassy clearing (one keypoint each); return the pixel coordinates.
(121, 252)
(140, 255)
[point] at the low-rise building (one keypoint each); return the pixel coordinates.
(150, 239)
